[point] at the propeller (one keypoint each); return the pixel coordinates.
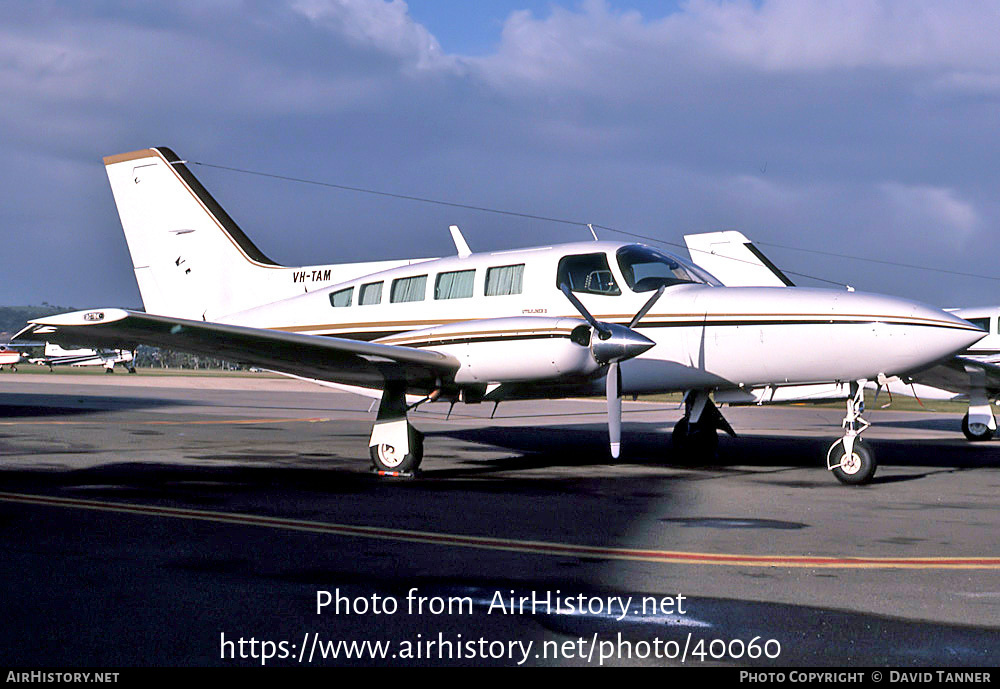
(610, 344)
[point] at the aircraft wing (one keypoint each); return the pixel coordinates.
(959, 374)
(333, 359)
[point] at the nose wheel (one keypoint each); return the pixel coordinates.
(848, 458)
(855, 469)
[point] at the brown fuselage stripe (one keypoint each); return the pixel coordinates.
(437, 339)
(513, 545)
(688, 321)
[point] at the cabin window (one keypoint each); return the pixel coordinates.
(983, 323)
(504, 280)
(370, 294)
(454, 285)
(342, 297)
(408, 289)
(588, 273)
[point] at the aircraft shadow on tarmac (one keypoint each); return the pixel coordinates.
(585, 445)
(953, 425)
(192, 484)
(24, 405)
(767, 457)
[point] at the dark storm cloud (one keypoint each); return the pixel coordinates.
(858, 127)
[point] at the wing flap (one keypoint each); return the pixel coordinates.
(332, 359)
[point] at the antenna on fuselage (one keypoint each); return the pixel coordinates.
(591, 227)
(460, 244)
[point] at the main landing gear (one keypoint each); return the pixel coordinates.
(696, 435)
(396, 447)
(976, 432)
(848, 458)
(979, 424)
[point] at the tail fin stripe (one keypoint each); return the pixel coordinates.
(212, 206)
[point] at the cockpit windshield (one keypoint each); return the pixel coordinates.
(645, 269)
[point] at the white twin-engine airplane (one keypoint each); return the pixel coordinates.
(545, 322)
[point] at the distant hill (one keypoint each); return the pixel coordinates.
(13, 318)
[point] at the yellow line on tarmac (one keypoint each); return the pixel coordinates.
(213, 422)
(514, 545)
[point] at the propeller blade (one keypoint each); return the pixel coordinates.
(614, 388)
(594, 323)
(647, 306)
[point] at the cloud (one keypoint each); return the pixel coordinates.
(385, 26)
(783, 119)
(933, 211)
(789, 35)
(799, 35)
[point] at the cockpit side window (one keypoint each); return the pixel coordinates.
(645, 269)
(587, 273)
(983, 323)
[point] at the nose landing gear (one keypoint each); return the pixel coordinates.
(848, 458)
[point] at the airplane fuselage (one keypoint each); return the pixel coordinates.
(504, 317)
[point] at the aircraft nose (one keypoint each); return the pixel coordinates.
(932, 334)
(961, 334)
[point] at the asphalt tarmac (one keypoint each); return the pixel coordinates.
(149, 521)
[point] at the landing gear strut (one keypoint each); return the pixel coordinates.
(396, 447)
(696, 435)
(848, 458)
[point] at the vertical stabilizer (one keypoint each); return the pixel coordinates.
(191, 260)
(734, 260)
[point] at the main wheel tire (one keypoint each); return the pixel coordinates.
(859, 470)
(694, 444)
(385, 458)
(976, 432)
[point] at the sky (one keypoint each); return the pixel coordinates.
(864, 128)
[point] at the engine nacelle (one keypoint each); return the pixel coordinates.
(511, 350)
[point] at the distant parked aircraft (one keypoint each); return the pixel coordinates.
(57, 356)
